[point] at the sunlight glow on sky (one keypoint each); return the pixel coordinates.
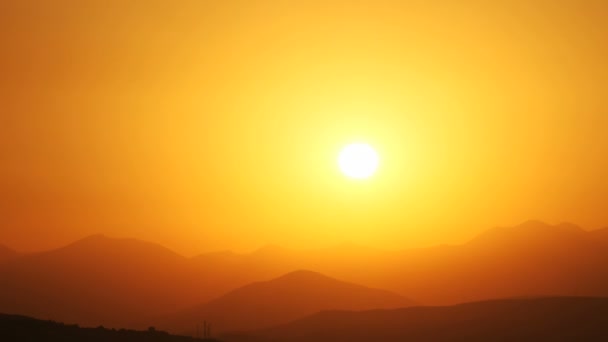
(208, 125)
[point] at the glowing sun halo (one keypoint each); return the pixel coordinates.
(358, 160)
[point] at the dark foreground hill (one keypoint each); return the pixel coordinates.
(534, 319)
(25, 329)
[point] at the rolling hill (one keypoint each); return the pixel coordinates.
(527, 260)
(533, 319)
(530, 259)
(127, 282)
(99, 280)
(292, 296)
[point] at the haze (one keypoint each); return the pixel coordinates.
(208, 125)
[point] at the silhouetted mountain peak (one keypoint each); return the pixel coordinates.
(531, 223)
(300, 276)
(536, 225)
(307, 282)
(570, 226)
(99, 244)
(302, 280)
(563, 227)
(291, 296)
(530, 231)
(94, 238)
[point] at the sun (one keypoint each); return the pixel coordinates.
(358, 160)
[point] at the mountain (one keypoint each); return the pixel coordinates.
(532, 319)
(292, 296)
(127, 283)
(531, 259)
(24, 329)
(99, 280)
(124, 282)
(530, 233)
(7, 253)
(600, 234)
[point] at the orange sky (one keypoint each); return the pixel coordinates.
(206, 125)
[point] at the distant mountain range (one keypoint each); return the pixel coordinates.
(522, 320)
(127, 282)
(527, 260)
(99, 280)
(292, 296)
(600, 234)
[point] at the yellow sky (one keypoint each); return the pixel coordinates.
(207, 125)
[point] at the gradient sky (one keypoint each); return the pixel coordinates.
(206, 125)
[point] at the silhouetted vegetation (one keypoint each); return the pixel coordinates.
(25, 329)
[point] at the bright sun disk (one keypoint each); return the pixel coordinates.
(358, 160)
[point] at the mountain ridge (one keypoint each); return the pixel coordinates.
(101, 280)
(537, 319)
(290, 296)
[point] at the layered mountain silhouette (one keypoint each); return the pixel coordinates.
(99, 280)
(127, 282)
(530, 259)
(601, 234)
(533, 319)
(292, 296)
